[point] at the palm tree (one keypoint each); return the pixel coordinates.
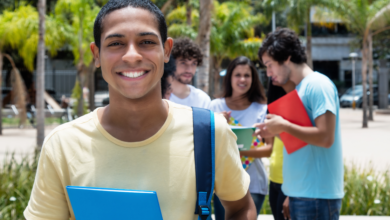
(232, 33)
(298, 14)
(82, 14)
(41, 75)
(366, 18)
(203, 39)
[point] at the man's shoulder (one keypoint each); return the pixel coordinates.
(70, 130)
(200, 93)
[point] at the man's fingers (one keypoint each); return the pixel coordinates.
(269, 116)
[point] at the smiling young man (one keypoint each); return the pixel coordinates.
(313, 175)
(188, 57)
(139, 141)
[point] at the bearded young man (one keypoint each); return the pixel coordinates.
(188, 57)
(313, 175)
(139, 141)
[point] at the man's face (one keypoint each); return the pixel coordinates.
(131, 54)
(185, 69)
(279, 73)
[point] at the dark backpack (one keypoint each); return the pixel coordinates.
(204, 151)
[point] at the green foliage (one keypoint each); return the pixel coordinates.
(232, 31)
(79, 15)
(19, 30)
(17, 179)
(366, 192)
(77, 92)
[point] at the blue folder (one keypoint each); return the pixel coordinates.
(104, 203)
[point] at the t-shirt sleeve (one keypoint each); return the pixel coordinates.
(231, 180)
(48, 199)
(323, 97)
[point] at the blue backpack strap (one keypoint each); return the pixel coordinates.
(204, 151)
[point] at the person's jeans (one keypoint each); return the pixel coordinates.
(276, 199)
(219, 211)
(314, 209)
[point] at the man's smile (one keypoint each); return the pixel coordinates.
(135, 74)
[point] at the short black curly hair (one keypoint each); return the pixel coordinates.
(186, 48)
(281, 44)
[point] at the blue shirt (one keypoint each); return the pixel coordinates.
(312, 171)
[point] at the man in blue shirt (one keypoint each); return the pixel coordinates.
(313, 175)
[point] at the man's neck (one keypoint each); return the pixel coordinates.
(134, 120)
(180, 90)
(299, 71)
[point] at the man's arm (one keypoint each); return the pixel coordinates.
(264, 151)
(243, 209)
(322, 134)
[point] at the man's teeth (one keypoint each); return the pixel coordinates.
(133, 74)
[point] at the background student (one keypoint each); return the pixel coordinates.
(243, 102)
(313, 176)
(188, 57)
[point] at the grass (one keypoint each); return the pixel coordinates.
(14, 122)
(366, 192)
(16, 181)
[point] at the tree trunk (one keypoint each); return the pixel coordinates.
(370, 70)
(91, 86)
(364, 81)
(217, 77)
(211, 75)
(81, 78)
(308, 39)
(383, 85)
(165, 7)
(40, 78)
(203, 41)
(1, 93)
(189, 12)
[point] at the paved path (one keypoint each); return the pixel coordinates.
(360, 146)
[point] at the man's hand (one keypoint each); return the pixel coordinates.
(227, 115)
(275, 124)
(243, 209)
(272, 126)
(286, 209)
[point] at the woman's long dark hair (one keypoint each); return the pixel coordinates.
(255, 93)
(274, 92)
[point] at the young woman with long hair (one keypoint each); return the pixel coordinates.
(243, 102)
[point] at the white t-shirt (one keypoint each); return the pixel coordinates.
(255, 113)
(197, 98)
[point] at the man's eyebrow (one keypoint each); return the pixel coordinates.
(114, 35)
(265, 63)
(147, 33)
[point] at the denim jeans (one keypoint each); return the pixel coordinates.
(314, 209)
(276, 199)
(219, 211)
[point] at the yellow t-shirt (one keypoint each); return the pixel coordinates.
(82, 153)
(276, 162)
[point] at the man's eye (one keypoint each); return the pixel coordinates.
(114, 44)
(148, 42)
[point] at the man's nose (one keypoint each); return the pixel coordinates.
(132, 54)
(269, 73)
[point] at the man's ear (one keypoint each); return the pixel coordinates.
(288, 60)
(95, 53)
(168, 45)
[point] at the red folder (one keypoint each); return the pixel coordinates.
(291, 108)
